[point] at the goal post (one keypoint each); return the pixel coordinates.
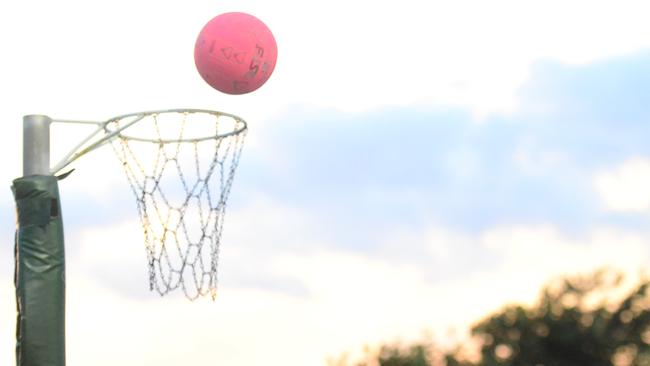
(180, 165)
(39, 253)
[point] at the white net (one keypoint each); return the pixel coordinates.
(180, 165)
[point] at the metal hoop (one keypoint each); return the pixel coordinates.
(241, 125)
(109, 134)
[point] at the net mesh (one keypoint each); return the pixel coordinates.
(181, 181)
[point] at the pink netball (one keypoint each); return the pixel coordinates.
(235, 53)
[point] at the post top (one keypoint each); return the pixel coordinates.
(37, 118)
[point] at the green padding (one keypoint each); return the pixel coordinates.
(40, 273)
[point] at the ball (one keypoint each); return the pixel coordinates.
(235, 53)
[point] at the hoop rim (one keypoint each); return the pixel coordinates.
(240, 124)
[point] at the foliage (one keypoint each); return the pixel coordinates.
(575, 323)
(582, 320)
(420, 354)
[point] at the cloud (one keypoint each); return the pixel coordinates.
(625, 189)
(352, 298)
(351, 179)
(541, 251)
(357, 176)
(442, 52)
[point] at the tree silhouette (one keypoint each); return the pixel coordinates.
(575, 323)
(578, 321)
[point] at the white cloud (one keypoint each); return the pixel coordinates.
(349, 56)
(625, 189)
(468, 53)
(336, 55)
(535, 253)
(351, 299)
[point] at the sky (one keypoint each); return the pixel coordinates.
(409, 168)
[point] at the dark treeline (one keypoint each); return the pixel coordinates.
(589, 320)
